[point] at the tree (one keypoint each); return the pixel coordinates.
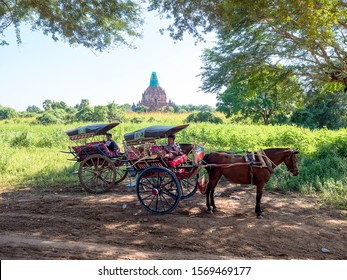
(203, 116)
(60, 105)
(33, 109)
(7, 113)
(84, 104)
(94, 24)
(85, 115)
(307, 37)
(99, 113)
(47, 104)
(323, 109)
(116, 112)
(141, 109)
(206, 108)
(260, 95)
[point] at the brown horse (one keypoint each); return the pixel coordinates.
(237, 169)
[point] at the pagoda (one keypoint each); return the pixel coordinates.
(154, 97)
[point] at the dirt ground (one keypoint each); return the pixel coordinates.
(67, 223)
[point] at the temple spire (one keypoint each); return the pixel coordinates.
(154, 80)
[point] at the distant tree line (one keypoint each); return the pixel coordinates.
(176, 108)
(59, 112)
(267, 103)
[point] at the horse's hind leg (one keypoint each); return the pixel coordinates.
(258, 210)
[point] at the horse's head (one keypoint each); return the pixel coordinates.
(291, 162)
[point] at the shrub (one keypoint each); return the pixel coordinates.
(48, 118)
(203, 117)
(7, 113)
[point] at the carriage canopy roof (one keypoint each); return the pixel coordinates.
(90, 130)
(152, 132)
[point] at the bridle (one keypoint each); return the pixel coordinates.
(293, 170)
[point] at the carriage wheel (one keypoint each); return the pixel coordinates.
(158, 190)
(121, 171)
(189, 186)
(97, 174)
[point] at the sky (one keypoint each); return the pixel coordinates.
(41, 69)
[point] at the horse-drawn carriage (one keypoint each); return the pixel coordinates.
(161, 183)
(99, 168)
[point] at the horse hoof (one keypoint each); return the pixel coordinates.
(260, 216)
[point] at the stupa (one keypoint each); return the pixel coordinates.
(154, 97)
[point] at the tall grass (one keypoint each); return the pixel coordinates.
(31, 154)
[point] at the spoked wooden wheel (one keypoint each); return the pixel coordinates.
(97, 174)
(189, 179)
(189, 185)
(121, 171)
(158, 190)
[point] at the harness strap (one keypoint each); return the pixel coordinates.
(251, 174)
(265, 161)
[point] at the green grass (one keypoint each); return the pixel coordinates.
(31, 155)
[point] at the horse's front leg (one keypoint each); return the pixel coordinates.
(212, 199)
(214, 176)
(258, 210)
(208, 190)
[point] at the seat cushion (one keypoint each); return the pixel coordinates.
(177, 160)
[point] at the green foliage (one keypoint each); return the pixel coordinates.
(23, 139)
(305, 36)
(203, 117)
(115, 112)
(52, 116)
(141, 109)
(323, 110)
(263, 95)
(100, 114)
(7, 113)
(97, 25)
(85, 114)
(47, 118)
(33, 109)
(136, 120)
(152, 119)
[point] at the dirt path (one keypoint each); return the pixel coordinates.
(69, 224)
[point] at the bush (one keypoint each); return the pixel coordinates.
(203, 117)
(23, 139)
(136, 120)
(7, 113)
(48, 118)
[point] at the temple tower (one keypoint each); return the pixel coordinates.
(154, 96)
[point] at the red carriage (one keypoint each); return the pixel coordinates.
(161, 183)
(99, 168)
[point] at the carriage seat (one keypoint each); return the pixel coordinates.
(156, 150)
(94, 148)
(177, 160)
